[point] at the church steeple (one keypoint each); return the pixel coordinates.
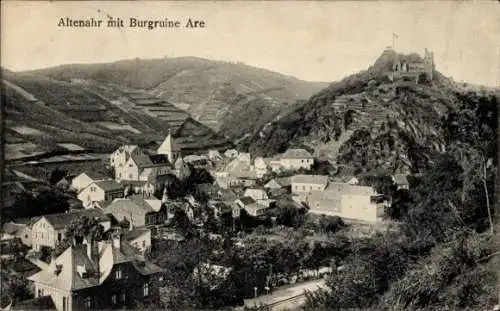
(169, 148)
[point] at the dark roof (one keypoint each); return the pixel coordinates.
(135, 233)
(64, 219)
(159, 159)
(247, 200)
(135, 205)
(96, 176)
(151, 160)
(108, 185)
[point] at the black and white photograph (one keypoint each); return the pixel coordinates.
(250, 155)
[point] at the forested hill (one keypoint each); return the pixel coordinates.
(369, 122)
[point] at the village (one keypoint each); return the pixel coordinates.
(151, 197)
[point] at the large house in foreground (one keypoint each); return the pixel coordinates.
(103, 275)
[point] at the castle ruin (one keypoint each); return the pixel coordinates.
(413, 70)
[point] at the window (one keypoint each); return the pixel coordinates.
(303, 187)
(25, 236)
(130, 176)
(64, 303)
(123, 296)
(40, 293)
(118, 274)
(87, 302)
(113, 299)
(59, 237)
(146, 289)
(144, 243)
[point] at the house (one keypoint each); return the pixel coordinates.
(50, 230)
(259, 195)
(210, 190)
(231, 153)
(278, 183)
(197, 161)
(170, 148)
(275, 164)
(244, 201)
(251, 206)
(21, 228)
(261, 166)
(219, 208)
(182, 170)
(255, 209)
(121, 155)
(352, 202)
(138, 211)
(256, 194)
(214, 155)
(242, 174)
(141, 187)
(139, 238)
(98, 275)
(100, 191)
(305, 183)
(401, 181)
(149, 168)
(84, 179)
(294, 159)
(353, 181)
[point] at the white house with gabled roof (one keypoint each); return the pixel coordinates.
(84, 179)
(100, 191)
(294, 159)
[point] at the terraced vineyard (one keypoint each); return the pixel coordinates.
(42, 113)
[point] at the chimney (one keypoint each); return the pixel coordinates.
(116, 239)
(92, 250)
(131, 225)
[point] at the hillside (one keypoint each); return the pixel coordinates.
(208, 90)
(369, 122)
(42, 113)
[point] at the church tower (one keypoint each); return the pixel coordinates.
(170, 148)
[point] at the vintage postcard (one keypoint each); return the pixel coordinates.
(250, 155)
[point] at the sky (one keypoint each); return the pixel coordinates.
(314, 41)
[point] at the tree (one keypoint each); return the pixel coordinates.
(331, 223)
(79, 229)
(290, 216)
(182, 223)
(56, 175)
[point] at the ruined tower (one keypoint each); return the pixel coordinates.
(429, 64)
